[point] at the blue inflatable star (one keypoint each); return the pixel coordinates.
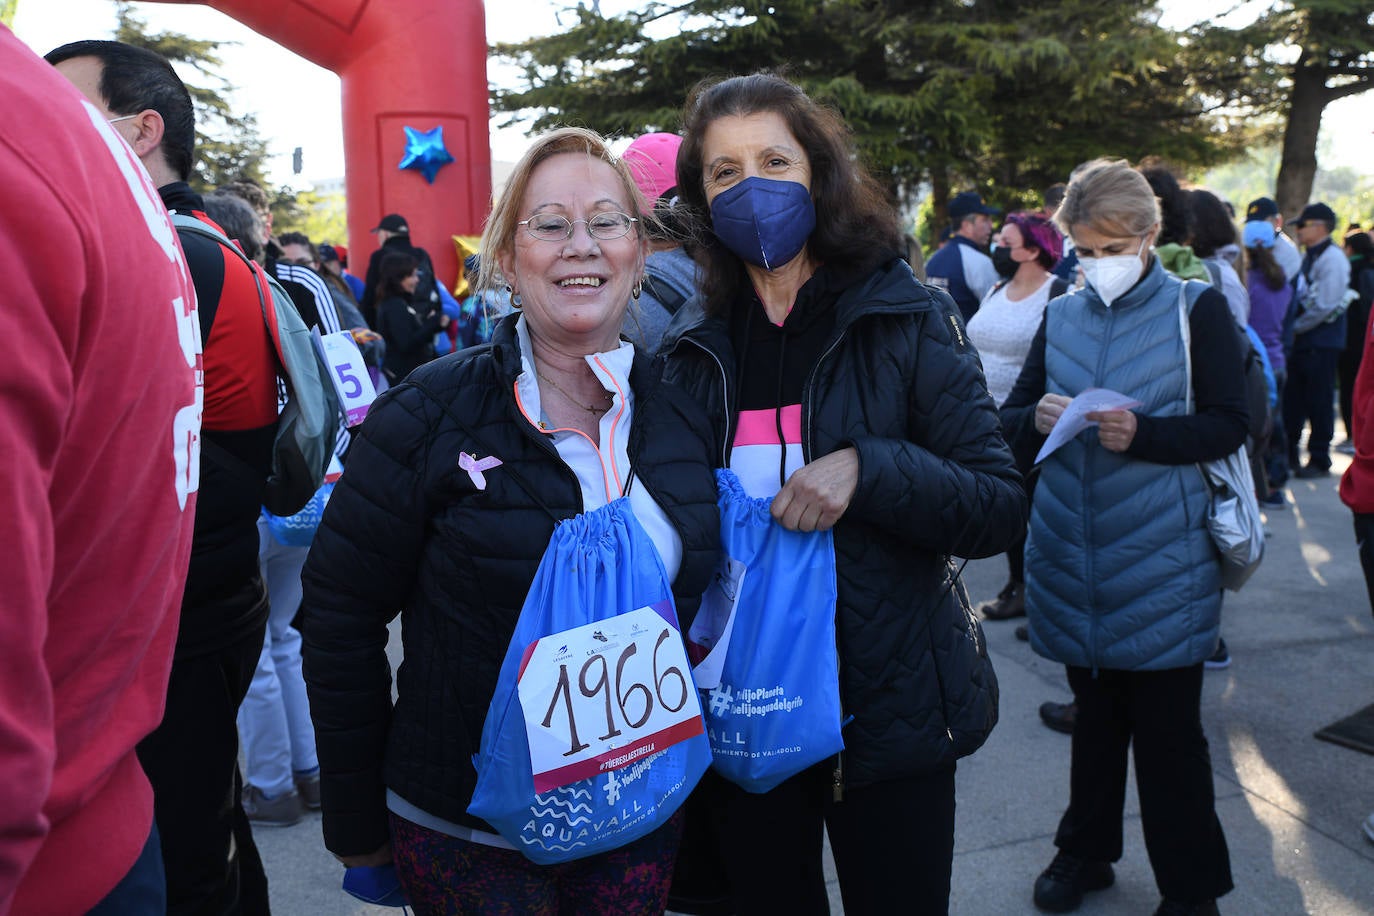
(425, 152)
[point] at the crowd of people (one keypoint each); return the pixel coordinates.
(735, 298)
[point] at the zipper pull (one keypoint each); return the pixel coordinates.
(837, 784)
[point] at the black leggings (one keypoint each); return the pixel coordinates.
(893, 844)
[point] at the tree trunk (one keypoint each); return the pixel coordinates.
(939, 200)
(1298, 167)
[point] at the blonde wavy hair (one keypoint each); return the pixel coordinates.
(498, 236)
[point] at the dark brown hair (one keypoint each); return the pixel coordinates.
(856, 226)
(395, 267)
(1262, 260)
(1209, 225)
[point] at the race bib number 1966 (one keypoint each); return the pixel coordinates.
(604, 695)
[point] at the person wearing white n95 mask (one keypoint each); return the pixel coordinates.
(1110, 274)
(1123, 585)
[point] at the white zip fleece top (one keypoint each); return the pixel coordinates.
(603, 472)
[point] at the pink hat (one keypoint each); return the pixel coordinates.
(652, 159)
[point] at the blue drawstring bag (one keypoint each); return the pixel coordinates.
(299, 530)
(594, 736)
(764, 640)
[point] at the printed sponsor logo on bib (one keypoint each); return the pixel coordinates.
(606, 695)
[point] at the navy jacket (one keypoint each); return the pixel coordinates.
(900, 383)
(406, 531)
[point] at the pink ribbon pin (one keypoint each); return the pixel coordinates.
(475, 467)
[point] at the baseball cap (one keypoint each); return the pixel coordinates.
(1259, 233)
(328, 253)
(1261, 208)
(966, 204)
(393, 222)
(1315, 213)
(652, 159)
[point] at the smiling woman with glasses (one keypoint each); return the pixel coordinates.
(560, 419)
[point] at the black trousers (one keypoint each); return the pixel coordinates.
(1347, 367)
(1364, 539)
(1308, 398)
(893, 844)
(1160, 712)
(213, 867)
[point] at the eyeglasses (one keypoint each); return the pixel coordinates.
(551, 227)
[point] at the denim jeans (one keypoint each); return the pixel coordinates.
(274, 720)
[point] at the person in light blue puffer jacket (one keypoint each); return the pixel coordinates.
(1123, 583)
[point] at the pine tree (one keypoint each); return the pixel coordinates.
(228, 146)
(1003, 95)
(1335, 43)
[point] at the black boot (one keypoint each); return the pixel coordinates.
(1059, 716)
(1060, 888)
(1009, 603)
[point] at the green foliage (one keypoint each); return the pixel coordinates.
(1346, 191)
(1334, 44)
(228, 147)
(1005, 96)
(7, 8)
(322, 217)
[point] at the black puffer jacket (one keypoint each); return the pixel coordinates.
(407, 531)
(900, 383)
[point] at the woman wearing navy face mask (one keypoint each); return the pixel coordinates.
(1123, 583)
(847, 393)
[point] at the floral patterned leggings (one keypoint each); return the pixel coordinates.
(446, 876)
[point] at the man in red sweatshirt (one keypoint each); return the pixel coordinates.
(100, 409)
(1357, 483)
(191, 758)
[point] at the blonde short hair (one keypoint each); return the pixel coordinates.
(498, 236)
(1111, 197)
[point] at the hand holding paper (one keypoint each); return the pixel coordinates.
(1075, 417)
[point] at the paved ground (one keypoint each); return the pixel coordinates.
(1302, 638)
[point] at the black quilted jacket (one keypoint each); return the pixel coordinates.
(406, 531)
(900, 383)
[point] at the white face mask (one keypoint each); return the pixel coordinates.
(1111, 276)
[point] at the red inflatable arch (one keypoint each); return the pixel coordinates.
(403, 63)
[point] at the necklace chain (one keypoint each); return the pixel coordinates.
(573, 400)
